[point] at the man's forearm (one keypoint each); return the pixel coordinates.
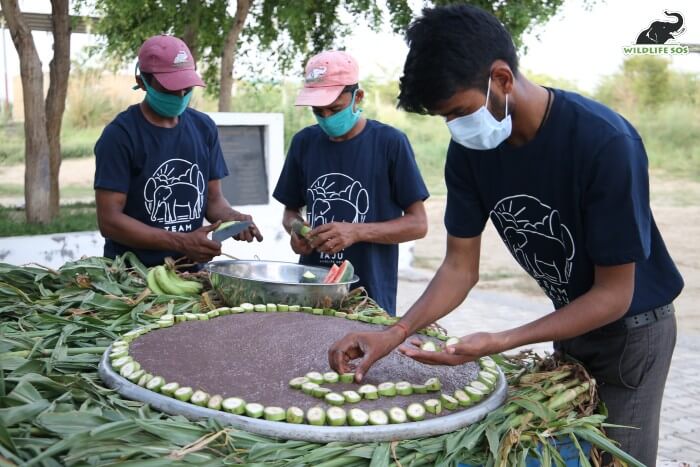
(446, 291)
(289, 216)
(403, 229)
(596, 308)
(220, 210)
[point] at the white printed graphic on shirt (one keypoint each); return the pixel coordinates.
(174, 194)
(537, 239)
(336, 197)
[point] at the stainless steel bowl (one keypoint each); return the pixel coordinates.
(274, 282)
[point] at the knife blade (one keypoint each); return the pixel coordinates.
(230, 231)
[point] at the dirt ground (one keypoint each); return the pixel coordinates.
(676, 209)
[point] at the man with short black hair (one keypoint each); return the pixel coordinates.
(356, 178)
(565, 182)
(159, 166)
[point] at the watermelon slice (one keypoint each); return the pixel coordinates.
(329, 279)
(338, 274)
(345, 272)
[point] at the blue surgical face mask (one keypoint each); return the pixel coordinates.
(165, 104)
(341, 122)
(480, 130)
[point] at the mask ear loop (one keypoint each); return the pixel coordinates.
(488, 93)
(136, 86)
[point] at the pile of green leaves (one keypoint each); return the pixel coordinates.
(54, 410)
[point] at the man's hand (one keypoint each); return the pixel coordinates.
(197, 246)
(334, 237)
(249, 234)
(369, 346)
(468, 349)
(300, 245)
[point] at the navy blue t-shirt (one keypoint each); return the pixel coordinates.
(163, 171)
(372, 177)
(575, 196)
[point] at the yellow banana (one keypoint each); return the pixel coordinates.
(152, 283)
(187, 286)
(165, 282)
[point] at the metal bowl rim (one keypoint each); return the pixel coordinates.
(208, 268)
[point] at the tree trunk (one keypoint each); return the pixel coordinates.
(228, 55)
(189, 35)
(37, 172)
(58, 89)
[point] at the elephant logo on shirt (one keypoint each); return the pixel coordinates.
(538, 240)
(175, 192)
(336, 197)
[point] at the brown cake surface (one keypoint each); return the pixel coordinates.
(254, 355)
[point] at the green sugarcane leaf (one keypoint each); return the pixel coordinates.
(70, 423)
(537, 408)
(177, 432)
(21, 413)
(6, 438)
(380, 456)
(522, 458)
(582, 456)
(607, 445)
(136, 264)
(108, 287)
(493, 440)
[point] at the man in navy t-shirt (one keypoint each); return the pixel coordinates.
(564, 180)
(357, 179)
(159, 166)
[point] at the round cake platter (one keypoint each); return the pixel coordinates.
(219, 352)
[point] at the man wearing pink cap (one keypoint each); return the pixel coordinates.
(356, 178)
(159, 166)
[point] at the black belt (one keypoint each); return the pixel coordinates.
(641, 319)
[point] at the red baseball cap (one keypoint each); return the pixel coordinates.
(326, 76)
(170, 61)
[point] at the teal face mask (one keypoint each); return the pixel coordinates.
(340, 123)
(164, 104)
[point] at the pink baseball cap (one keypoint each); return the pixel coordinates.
(170, 61)
(326, 76)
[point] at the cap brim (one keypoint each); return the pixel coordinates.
(177, 80)
(320, 96)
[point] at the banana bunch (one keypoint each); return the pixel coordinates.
(164, 281)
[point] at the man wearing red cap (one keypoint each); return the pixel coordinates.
(159, 166)
(356, 178)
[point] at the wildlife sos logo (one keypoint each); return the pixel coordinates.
(653, 40)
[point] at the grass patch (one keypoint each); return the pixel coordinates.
(68, 191)
(77, 217)
(75, 142)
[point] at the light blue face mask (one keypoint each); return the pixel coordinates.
(341, 122)
(480, 130)
(164, 104)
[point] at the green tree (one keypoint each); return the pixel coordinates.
(289, 30)
(42, 115)
(649, 78)
(644, 82)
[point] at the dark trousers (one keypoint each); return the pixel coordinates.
(630, 367)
